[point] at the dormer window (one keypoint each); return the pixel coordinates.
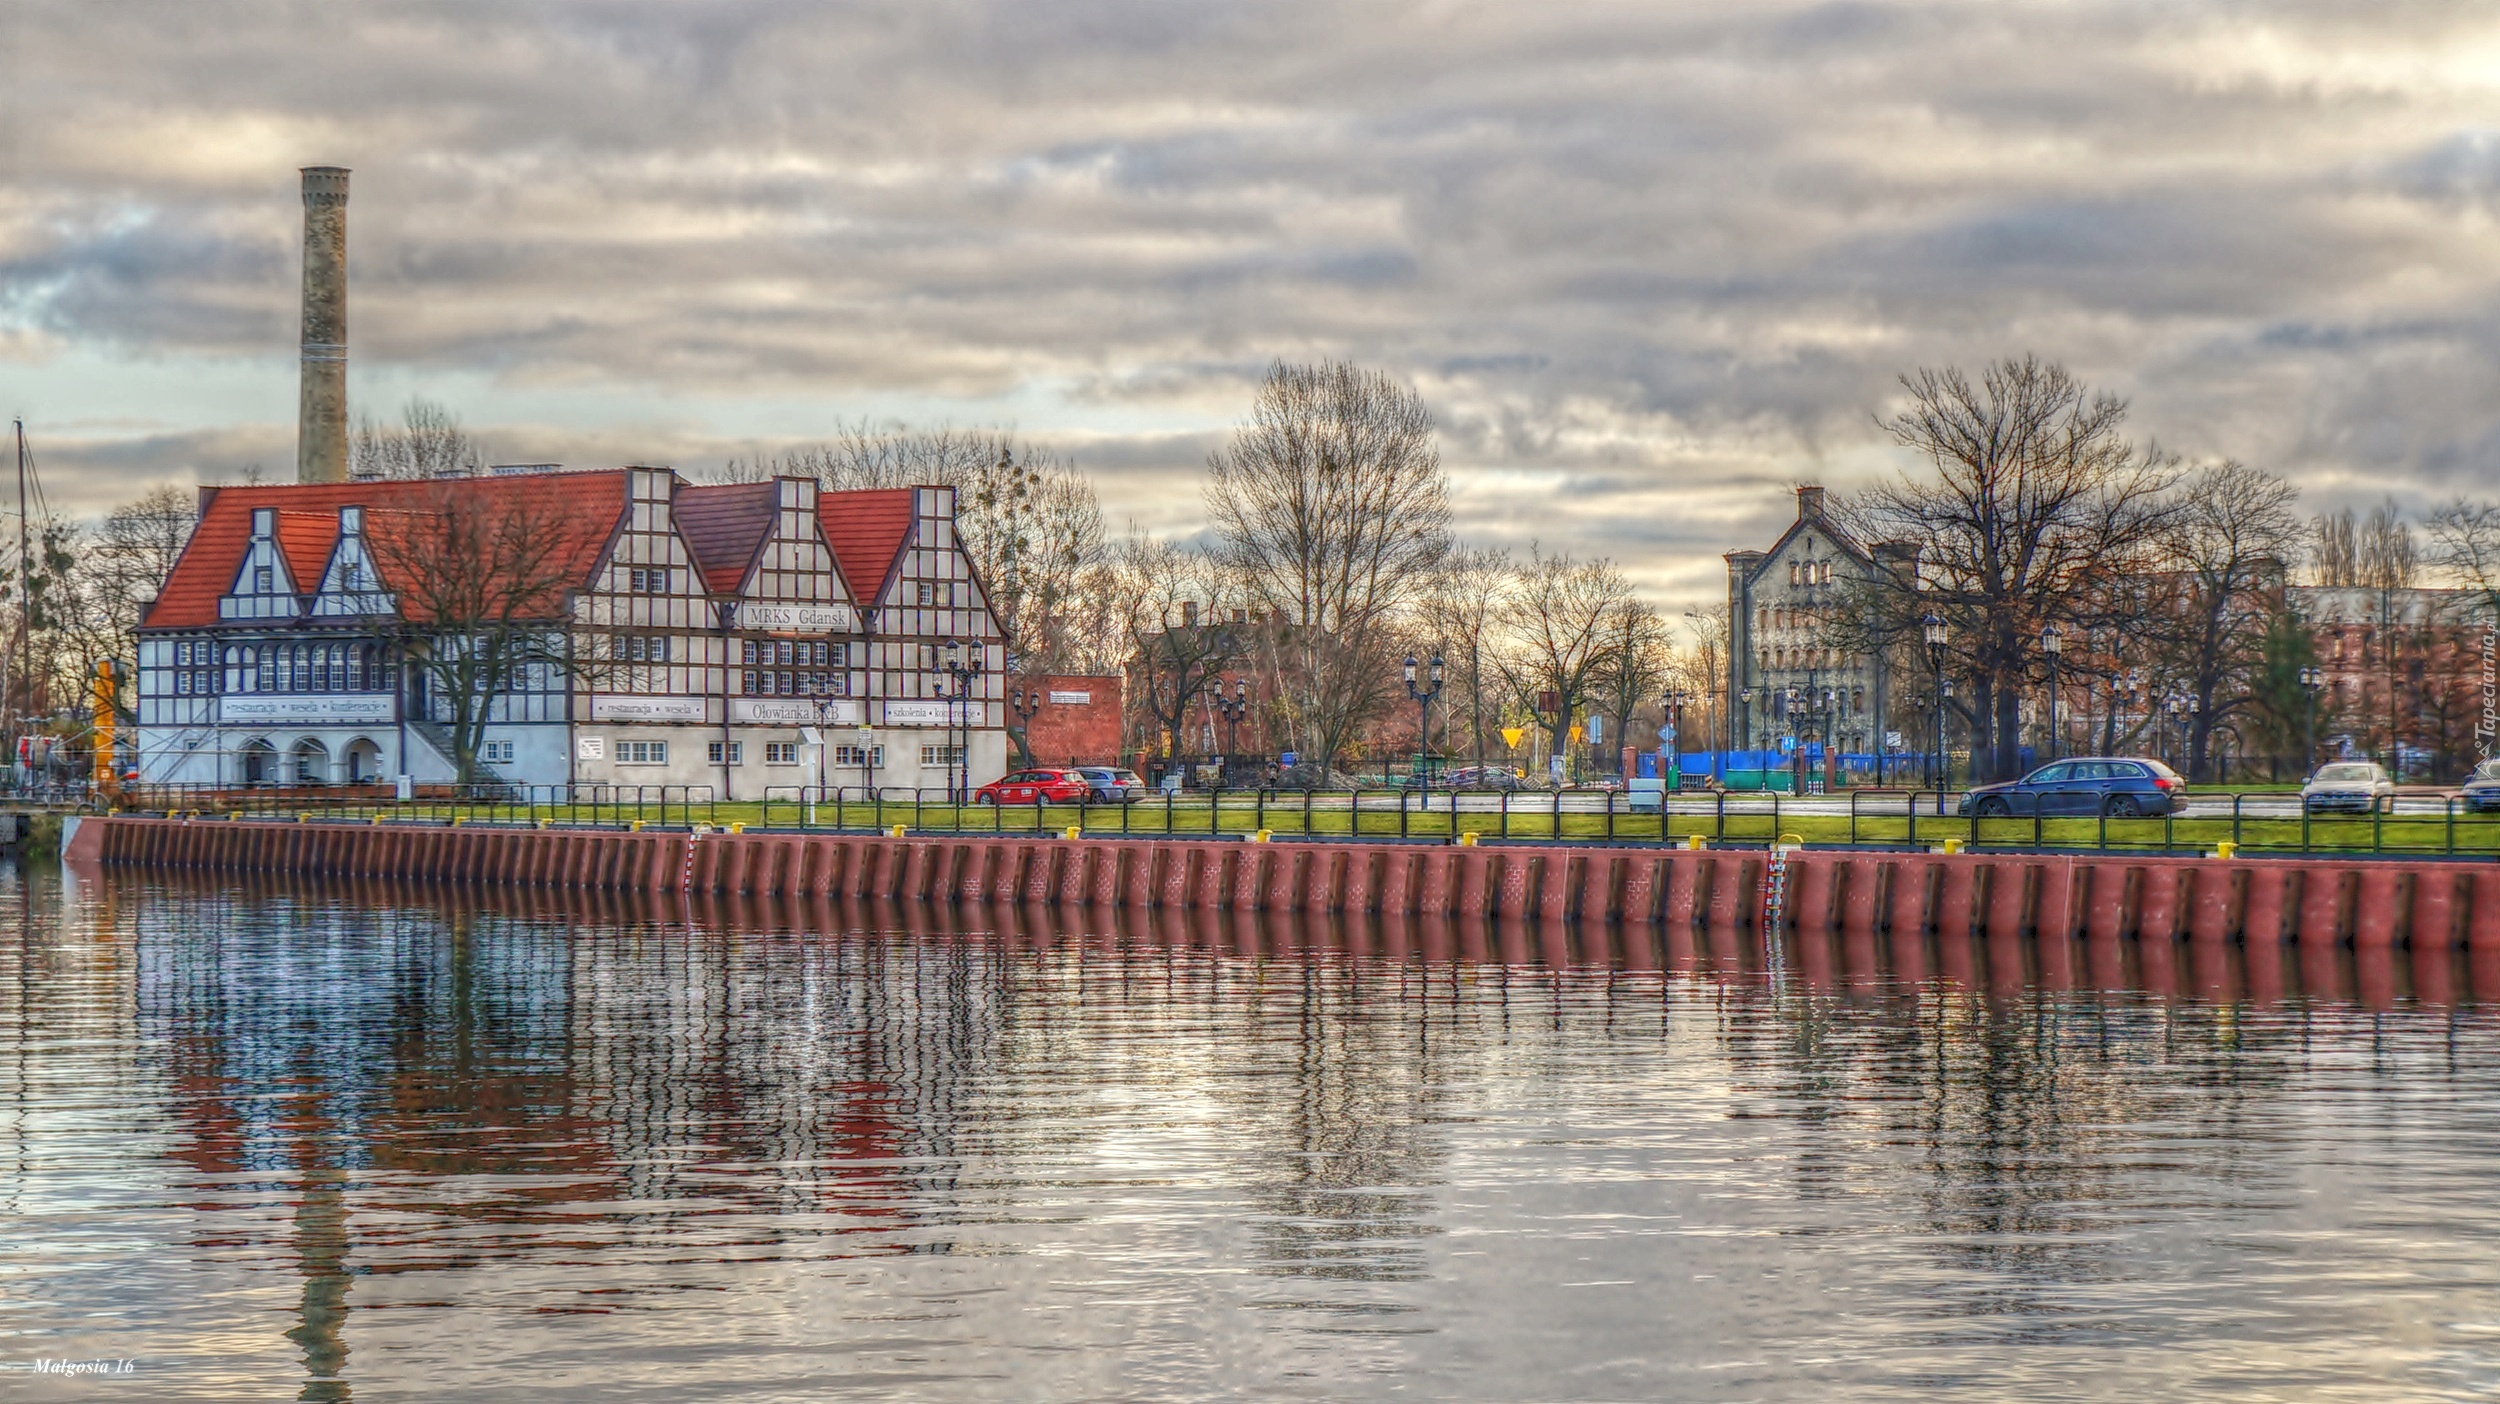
(351, 520)
(353, 576)
(264, 521)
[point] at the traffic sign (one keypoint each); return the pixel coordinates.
(1511, 735)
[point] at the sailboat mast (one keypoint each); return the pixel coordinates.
(25, 605)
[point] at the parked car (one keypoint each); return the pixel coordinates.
(1483, 777)
(2482, 788)
(1112, 785)
(2357, 787)
(2116, 786)
(1054, 786)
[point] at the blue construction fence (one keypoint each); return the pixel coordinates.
(1776, 770)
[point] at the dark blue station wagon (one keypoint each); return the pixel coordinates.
(2119, 787)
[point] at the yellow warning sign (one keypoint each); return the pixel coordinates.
(1511, 735)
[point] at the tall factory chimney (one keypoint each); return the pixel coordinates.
(321, 409)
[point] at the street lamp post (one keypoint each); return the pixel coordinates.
(1234, 709)
(2050, 645)
(1024, 702)
(1932, 627)
(1675, 702)
(1423, 695)
(2312, 679)
(963, 674)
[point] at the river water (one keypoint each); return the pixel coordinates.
(263, 1143)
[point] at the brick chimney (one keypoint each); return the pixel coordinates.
(321, 402)
(1809, 502)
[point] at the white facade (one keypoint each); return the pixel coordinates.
(706, 655)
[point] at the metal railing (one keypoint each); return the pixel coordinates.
(2253, 822)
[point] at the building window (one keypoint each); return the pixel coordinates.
(928, 592)
(264, 582)
(651, 580)
(495, 753)
(642, 753)
(781, 753)
(727, 752)
(931, 757)
(643, 648)
(858, 755)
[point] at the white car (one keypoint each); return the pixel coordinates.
(2358, 787)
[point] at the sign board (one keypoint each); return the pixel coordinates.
(350, 707)
(795, 618)
(1072, 699)
(646, 709)
(1511, 735)
(921, 713)
(590, 747)
(1575, 733)
(1290, 758)
(811, 736)
(1787, 744)
(1597, 731)
(1892, 740)
(792, 711)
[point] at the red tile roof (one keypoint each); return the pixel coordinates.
(304, 539)
(588, 507)
(725, 524)
(867, 531)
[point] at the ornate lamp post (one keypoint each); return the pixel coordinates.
(1675, 701)
(2312, 680)
(1024, 702)
(954, 668)
(2050, 645)
(1234, 709)
(1423, 695)
(1932, 628)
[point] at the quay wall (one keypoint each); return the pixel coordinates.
(2360, 903)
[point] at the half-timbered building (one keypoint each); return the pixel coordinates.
(733, 637)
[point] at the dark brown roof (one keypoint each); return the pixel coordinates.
(725, 525)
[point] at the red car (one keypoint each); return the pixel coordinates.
(1034, 786)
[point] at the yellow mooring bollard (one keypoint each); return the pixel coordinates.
(1073, 831)
(897, 831)
(1695, 842)
(2225, 849)
(1468, 839)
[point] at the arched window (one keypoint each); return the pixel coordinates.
(1792, 573)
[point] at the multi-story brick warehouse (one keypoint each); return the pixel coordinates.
(1781, 606)
(724, 618)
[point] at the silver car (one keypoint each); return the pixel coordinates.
(2356, 787)
(2481, 790)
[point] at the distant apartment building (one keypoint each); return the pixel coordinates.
(2400, 668)
(1793, 671)
(708, 628)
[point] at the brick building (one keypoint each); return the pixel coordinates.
(1068, 719)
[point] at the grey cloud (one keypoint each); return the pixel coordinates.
(1652, 264)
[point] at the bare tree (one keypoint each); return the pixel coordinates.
(1462, 617)
(1636, 659)
(479, 586)
(112, 575)
(2034, 492)
(2227, 549)
(2335, 549)
(1702, 669)
(428, 442)
(1332, 509)
(1561, 612)
(1030, 521)
(1169, 603)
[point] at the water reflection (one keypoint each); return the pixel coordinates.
(534, 1144)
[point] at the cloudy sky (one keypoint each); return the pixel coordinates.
(1650, 264)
